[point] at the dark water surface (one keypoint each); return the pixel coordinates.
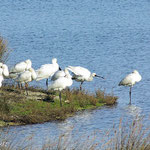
(109, 37)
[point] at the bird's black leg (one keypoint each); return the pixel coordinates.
(18, 85)
(130, 95)
(26, 87)
(21, 86)
(81, 86)
(47, 83)
(60, 99)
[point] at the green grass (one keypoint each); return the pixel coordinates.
(38, 107)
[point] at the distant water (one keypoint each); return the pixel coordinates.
(109, 37)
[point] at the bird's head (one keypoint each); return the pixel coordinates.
(67, 73)
(30, 69)
(135, 71)
(95, 75)
(54, 60)
(28, 61)
(4, 66)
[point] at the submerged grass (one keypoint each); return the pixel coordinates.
(42, 106)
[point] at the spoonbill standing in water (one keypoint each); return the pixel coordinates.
(61, 83)
(26, 76)
(130, 80)
(47, 70)
(81, 74)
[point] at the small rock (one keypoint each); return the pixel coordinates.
(67, 101)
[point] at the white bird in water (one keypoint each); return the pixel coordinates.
(4, 73)
(130, 80)
(47, 70)
(81, 74)
(61, 83)
(26, 76)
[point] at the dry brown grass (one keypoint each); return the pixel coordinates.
(109, 99)
(4, 51)
(84, 97)
(127, 136)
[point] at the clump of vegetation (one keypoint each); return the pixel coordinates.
(133, 136)
(4, 51)
(108, 99)
(84, 98)
(40, 106)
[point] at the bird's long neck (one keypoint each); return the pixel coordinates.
(6, 72)
(90, 78)
(34, 75)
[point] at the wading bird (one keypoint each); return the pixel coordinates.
(26, 77)
(81, 74)
(61, 83)
(47, 70)
(19, 68)
(4, 73)
(59, 73)
(130, 80)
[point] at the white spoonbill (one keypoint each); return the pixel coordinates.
(81, 74)
(59, 73)
(47, 70)
(61, 83)
(19, 68)
(26, 76)
(130, 80)
(3, 72)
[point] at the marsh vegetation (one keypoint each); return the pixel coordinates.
(42, 106)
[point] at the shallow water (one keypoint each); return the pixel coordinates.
(109, 37)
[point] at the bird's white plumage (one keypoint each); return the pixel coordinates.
(21, 66)
(47, 70)
(62, 82)
(131, 79)
(59, 73)
(27, 76)
(1, 76)
(4, 72)
(81, 74)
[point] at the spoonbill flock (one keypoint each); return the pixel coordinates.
(23, 73)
